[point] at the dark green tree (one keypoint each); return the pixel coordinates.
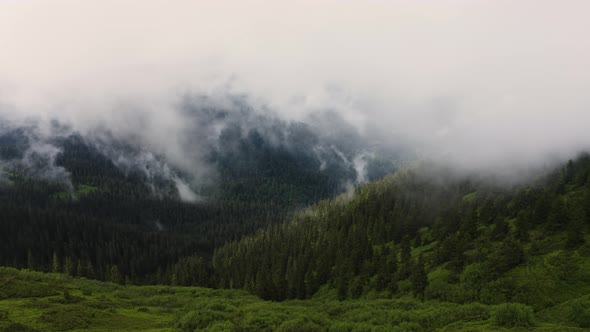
(56, 266)
(419, 278)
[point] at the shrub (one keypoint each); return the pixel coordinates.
(16, 327)
(565, 265)
(583, 320)
(473, 312)
(13, 289)
(580, 315)
(338, 326)
(86, 291)
(197, 320)
(221, 327)
(584, 250)
(299, 325)
(404, 287)
(408, 327)
(68, 318)
(499, 291)
(513, 315)
(36, 303)
(475, 276)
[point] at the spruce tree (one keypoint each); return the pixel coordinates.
(56, 267)
(30, 260)
(419, 278)
(115, 276)
(69, 266)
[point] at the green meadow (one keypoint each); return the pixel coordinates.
(34, 301)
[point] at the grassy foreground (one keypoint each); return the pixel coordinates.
(34, 301)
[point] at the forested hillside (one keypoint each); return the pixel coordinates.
(101, 207)
(426, 238)
(432, 234)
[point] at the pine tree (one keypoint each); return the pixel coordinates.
(522, 226)
(56, 267)
(90, 270)
(558, 216)
(575, 227)
(69, 266)
(115, 276)
(80, 269)
(419, 278)
(406, 259)
(30, 260)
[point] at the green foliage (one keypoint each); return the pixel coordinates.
(513, 315)
(564, 264)
(67, 318)
(86, 189)
(496, 244)
(198, 320)
(17, 327)
(159, 308)
(580, 314)
(419, 278)
(300, 325)
(469, 198)
(11, 288)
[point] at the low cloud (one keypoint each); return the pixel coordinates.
(487, 85)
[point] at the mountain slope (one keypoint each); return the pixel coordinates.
(99, 200)
(432, 234)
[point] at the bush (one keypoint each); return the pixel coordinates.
(68, 318)
(337, 326)
(198, 320)
(18, 289)
(472, 312)
(299, 325)
(583, 320)
(564, 264)
(580, 314)
(584, 250)
(16, 327)
(86, 291)
(513, 315)
(499, 291)
(408, 327)
(221, 327)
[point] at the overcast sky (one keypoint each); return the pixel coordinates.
(477, 82)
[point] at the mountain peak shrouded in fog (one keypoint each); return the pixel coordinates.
(488, 85)
(218, 143)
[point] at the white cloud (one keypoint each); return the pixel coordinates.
(476, 82)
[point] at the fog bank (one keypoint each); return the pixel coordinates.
(482, 85)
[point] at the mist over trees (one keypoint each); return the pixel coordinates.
(97, 202)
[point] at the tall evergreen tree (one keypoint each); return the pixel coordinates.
(56, 266)
(419, 278)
